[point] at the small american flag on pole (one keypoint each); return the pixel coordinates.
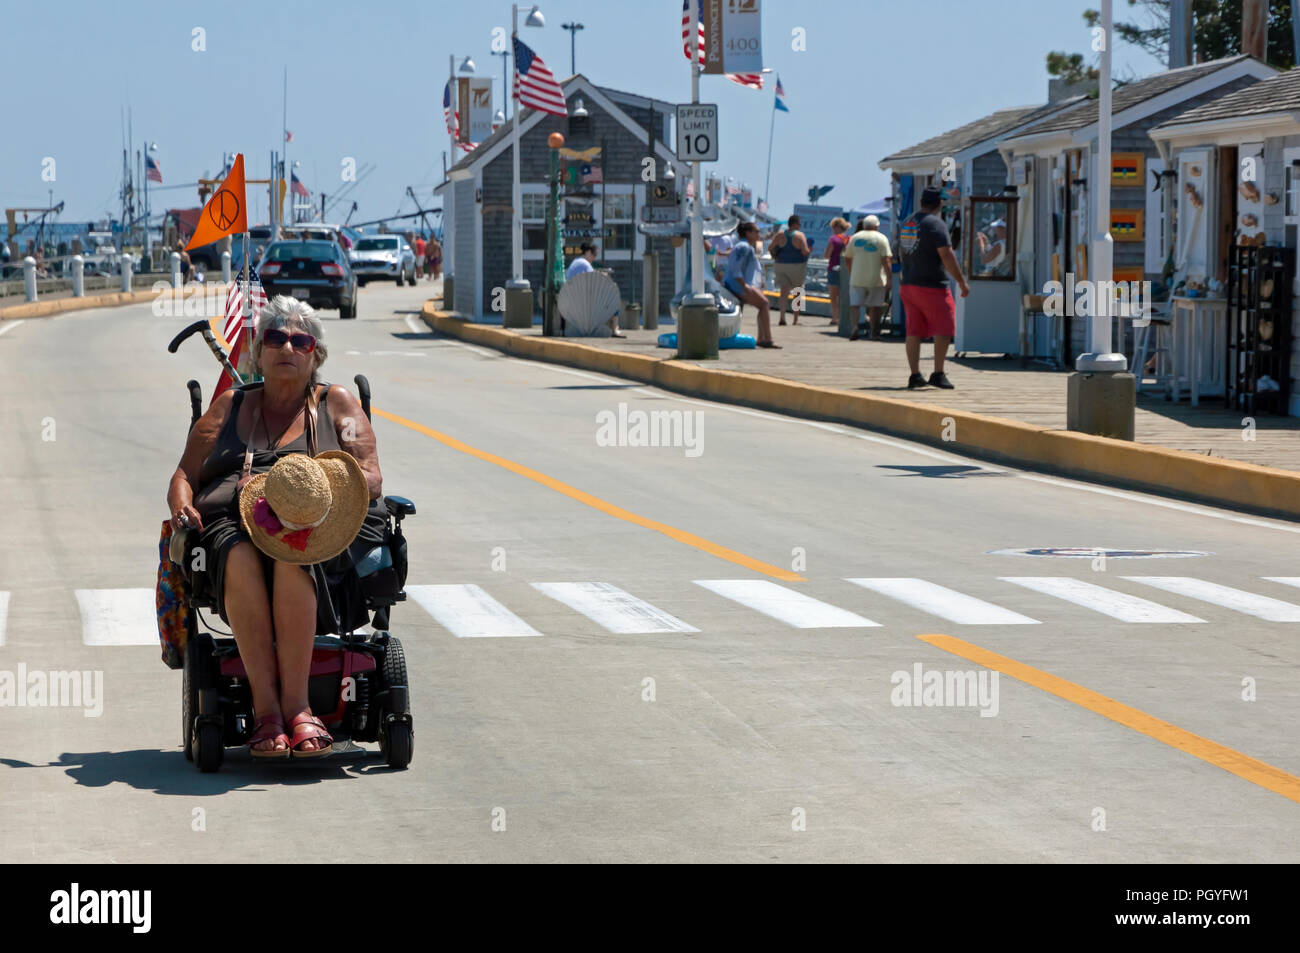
(151, 170)
(535, 85)
(750, 80)
(234, 306)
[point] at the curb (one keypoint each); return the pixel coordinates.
(1158, 470)
(43, 309)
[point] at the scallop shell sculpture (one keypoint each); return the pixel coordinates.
(587, 301)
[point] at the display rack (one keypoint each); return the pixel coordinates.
(1259, 329)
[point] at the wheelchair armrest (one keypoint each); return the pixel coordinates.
(399, 505)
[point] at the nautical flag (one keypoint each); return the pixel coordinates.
(226, 212)
(535, 85)
(151, 170)
(288, 136)
(298, 187)
(780, 96)
(751, 80)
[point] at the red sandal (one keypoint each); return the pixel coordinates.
(304, 727)
(270, 728)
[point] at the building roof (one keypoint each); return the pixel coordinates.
(981, 130)
(1280, 93)
(566, 85)
(1136, 93)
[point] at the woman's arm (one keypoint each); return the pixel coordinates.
(202, 438)
(356, 435)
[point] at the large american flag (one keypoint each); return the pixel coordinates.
(234, 306)
(751, 80)
(535, 85)
(452, 118)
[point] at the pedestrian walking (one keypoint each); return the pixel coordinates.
(790, 251)
(420, 249)
(834, 257)
(433, 258)
(926, 253)
(870, 275)
(744, 279)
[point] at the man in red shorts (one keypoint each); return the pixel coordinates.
(926, 253)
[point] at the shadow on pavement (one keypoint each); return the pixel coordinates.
(949, 472)
(167, 772)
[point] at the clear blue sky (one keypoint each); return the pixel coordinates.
(366, 79)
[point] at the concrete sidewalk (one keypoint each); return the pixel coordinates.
(811, 353)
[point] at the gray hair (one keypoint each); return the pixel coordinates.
(288, 313)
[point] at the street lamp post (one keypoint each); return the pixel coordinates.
(1102, 396)
(449, 203)
(519, 294)
(697, 327)
(505, 81)
(573, 29)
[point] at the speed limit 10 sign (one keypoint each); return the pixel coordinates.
(697, 132)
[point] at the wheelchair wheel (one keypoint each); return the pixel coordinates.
(198, 674)
(210, 747)
(396, 736)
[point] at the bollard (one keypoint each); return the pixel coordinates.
(78, 276)
(124, 266)
(519, 305)
(650, 291)
(29, 277)
(176, 270)
(845, 320)
(697, 330)
(225, 267)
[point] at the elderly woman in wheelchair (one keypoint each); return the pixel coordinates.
(276, 482)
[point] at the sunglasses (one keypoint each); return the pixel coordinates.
(301, 342)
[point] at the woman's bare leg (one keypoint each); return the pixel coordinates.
(249, 611)
(293, 606)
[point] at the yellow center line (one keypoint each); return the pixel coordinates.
(1230, 760)
(679, 535)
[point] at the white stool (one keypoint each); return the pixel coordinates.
(1152, 340)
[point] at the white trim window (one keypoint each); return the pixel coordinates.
(1291, 186)
(619, 226)
(533, 216)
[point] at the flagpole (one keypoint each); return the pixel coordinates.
(246, 355)
(767, 184)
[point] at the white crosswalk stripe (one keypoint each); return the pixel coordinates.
(4, 614)
(468, 612)
(1261, 607)
(944, 602)
(118, 616)
(1117, 605)
(786, 605)
(609, 606)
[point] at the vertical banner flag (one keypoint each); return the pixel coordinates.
(476, 104)
(226, 212)
(704, 27)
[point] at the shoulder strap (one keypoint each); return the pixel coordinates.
(313, 402)
(248, 447)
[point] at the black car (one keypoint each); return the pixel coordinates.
(317, 272)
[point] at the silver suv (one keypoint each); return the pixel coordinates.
(383, 258)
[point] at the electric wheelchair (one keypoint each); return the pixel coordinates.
(358, 682)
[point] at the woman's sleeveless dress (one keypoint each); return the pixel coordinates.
(340, 603)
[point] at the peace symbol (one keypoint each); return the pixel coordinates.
(223, 209)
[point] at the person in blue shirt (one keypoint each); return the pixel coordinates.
(744, 279)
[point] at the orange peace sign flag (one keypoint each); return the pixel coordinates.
(226, 212)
